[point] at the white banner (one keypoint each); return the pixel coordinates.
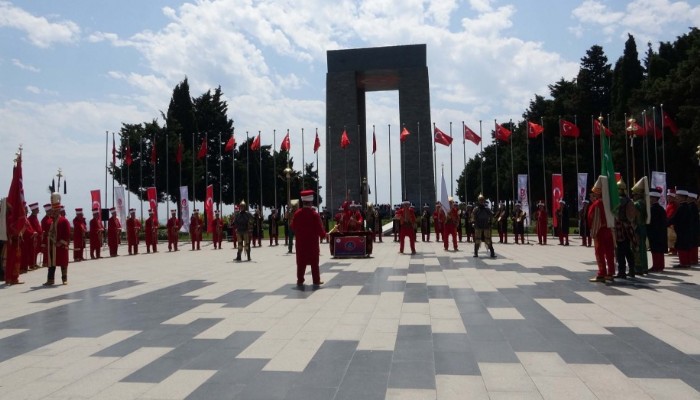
(522, 197)
(120, 205)
(658, 182)
(582, 188)
(184, 210)
(443, 196)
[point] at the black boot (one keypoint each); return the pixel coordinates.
(493, 254)
(247, 253)
(476, 249)
(238, 256)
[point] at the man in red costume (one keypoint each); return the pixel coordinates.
(133, 228)
(79, 230)
(195, 229)
(217, 230)
(45, 225)
(173, 226)
(542, 219)
(27, 244)
(450, 227)
(308, 230)
(97, 232)
(151, 233)
(601, 233)
(671, 208)
(15, 237)
(407, 221)
(35, 243)
(438, 220)
(59, 240)
(114, 229)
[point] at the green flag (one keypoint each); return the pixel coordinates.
(608, 170)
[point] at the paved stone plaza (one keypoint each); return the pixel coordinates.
(196, 325)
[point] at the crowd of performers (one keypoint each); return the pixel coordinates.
(640, 224)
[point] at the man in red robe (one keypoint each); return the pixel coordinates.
(438, 221)
(114, 230)
(601, 233)
(16, 228)
(59, 240)
(308, 229)
(27, 244)
(407, 221)
(217, 230)
(97, 231)
(79, 230)
(542, 219)
(35, 243)
(195, 229)
(450, 226)
(133, 228)
(151, 233)
(45, 225)
(173, 226)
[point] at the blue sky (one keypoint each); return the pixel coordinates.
(74, 70)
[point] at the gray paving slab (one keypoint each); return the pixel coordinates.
(389, 326)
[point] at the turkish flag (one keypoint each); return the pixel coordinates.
(442, 138)
(652, 129)
(209, 208)
(153, 200)
(471, 135)
(671, 124)
(596, 128)
(317, 142)
(129, 160)
(230, 144)
(16, 216)
(634, 129)
(534, 130)
(568, 129)
(404, 134)
(557, 194)
(178, 155)
(374, 143)
(95, 195)
(154, 154)
(202, 149)
(286, 145)
(256, 143)
(502, 133)
(344, 141)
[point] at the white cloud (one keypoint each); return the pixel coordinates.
(40, 31)
(17, 63)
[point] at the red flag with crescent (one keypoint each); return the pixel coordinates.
(95, 195)
(209, 208)
(256, 143)
(344, 140)
(129, 160)
(404, 134)
(286, 144)
(534, 130)
(471, 136)
(230, 144)
(442, 138)
(317, 142)
(568, 129)
(153, 200)
(670, 124)
(502, 134)
(202, 149)
(557, 194)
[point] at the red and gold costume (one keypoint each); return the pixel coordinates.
(151, 233)
(438, 221)
(79, 230)
(173, 226)
(97, 232)
(450, 227)
(35, 243)
(541, 227)
(13, 259)
(114, 229)
(59, 241)
(195, 230)
(46, 223)
(603, 242)
(133, 228)
(308, 229)
(27, 245)
(407, 221)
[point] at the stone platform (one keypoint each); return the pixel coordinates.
(435, 325)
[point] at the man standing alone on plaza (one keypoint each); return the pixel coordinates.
(308, 230)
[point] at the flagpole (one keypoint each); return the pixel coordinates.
(403, 166)
(663, 137)
(481, 157)
(233, 167)
(179, 165)
(318, 179)
(452, 178)
(495, 142)
(261, 176)
(194, 185)
(374, 154)
(274, 161)
(141, 173)
(561, 158)
(107, 165)
(247, 169)
(529, 197)
(645, 153)
(464, 168)
(303, 163)
(114, 166)
(512, 168)
(128, 179)
(420, 171)
(345, 158)
(359, 169)
(167, 175)
(646, 132)
(434, 164)
(391, 192)
(575, 146)
(656, 149)
(544, 166)
(329, 132)
(595, 177)
(627, 149)
(206, 169)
